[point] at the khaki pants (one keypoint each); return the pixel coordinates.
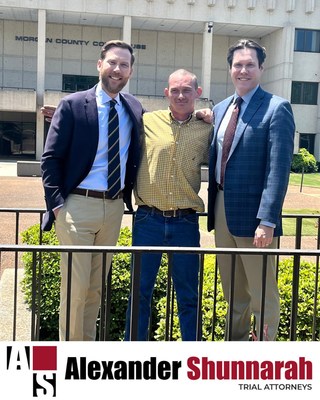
(248, 282)
(85, 221)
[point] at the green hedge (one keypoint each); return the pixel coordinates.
(50, 282)
(48, 307)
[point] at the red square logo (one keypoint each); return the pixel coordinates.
(44, 358)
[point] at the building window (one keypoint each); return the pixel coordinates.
(307, 142)
(17, 138)
(76, 83)
(307, 40)
(304, 93)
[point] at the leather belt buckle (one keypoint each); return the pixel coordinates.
(169, 213)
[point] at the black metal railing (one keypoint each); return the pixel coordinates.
(37, 251)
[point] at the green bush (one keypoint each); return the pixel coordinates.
(48, 293)
(307, 279)
(304, 161)
(48, 308)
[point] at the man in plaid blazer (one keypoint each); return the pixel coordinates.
(245, 210)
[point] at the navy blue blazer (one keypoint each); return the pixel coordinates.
(258, 169)
(71, 147)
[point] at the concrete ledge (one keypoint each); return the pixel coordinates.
(28, 168)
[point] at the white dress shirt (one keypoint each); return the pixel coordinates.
(98, 175)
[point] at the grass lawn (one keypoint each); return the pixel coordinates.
(309, 225)
(312, 180)
(203, 223)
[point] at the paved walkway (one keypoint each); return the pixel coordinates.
(23, 316)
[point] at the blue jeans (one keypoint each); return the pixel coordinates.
(151, 229)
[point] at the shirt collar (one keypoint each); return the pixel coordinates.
(103, 97)
(248, 96)
(177, 121)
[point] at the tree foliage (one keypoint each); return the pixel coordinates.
(304, 162)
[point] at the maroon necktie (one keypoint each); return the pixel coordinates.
(228, 137)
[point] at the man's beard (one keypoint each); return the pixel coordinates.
(114, 89)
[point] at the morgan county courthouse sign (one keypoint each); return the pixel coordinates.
(74, 42)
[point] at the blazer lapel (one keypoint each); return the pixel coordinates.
(250, 111)
(91, 111)
(91, 129)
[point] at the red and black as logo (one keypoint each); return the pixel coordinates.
(42, 361)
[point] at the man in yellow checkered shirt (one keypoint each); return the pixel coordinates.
(176, 144)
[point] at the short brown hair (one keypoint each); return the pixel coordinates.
(185, 72)
(250, 44)
(116, 43)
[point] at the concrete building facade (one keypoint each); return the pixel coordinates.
(49, 49)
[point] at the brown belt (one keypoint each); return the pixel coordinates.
(170, 213)
(96, 194)
(219, 187)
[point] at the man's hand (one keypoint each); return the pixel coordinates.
(48, 112)
(263, 236)
(205, 114)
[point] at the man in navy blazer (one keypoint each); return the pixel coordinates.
(245, 209)
(81, 111)
(74, 173)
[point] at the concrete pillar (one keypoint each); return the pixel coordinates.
(287, 62)
(287, 70)
(41, 58)
(317, 146)
(207, 59)
(126, 37)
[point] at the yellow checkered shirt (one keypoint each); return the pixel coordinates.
(169, 176)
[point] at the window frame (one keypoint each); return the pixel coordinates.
(306, 94)
(307, 40)
(76, 83)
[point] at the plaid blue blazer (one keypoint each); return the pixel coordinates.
(258, 168)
